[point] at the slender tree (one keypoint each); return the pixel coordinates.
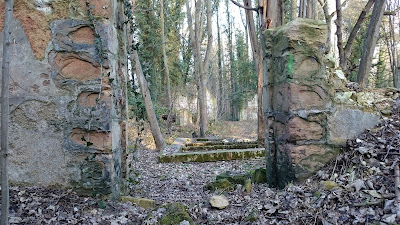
(231, 72)
(5, 110)
(370, 42)
(201, 65)
(293, 11)
(151, 115)
(345, 51)
(220, 74)
(166, 67)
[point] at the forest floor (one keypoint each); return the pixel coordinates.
(358, 187)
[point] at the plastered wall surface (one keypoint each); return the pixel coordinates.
(67, 95)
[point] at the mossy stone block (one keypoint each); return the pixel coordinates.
(221, 185)
(234, 178)
(169, 214)
(142, 202)
(259, 176)
(175, 214)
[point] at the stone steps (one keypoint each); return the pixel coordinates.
(216, 155)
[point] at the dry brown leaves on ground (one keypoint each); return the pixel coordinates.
(361, 191)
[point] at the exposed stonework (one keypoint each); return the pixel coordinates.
(313, 112)
(67, 102)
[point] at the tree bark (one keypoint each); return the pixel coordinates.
(370, 43)
(293, 9)
(339, 34)
(151, 115)
(220, 78)
(166, 67)
(5, 110)
(309, 10)
(257, 57)
(201, 66)
(328, 18)
(353, 33)
(397, 74)
(273, 13)
(231, 62)
(252, 32)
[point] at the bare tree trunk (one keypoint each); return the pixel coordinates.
(309, 10)
(339, 34)
(252, 32)
(273, 13)
(151, 115)
(166, 68)
(397, 74)
(293, 9)
(302, 9)
(231, 62)
(354, 31)
(328, 19)
(201, 67)
(220, 78)
(370, 43)
(5, 110)
(257, 57)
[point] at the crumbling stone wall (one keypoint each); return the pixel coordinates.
(312, 111)
(68, 95)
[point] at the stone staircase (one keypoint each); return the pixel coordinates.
(209, 149)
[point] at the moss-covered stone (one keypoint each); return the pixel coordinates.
(142, 202)
(234, 178)
(169, 214)
(210, 156)
(329, 185)
(221, 185)
(247, 185)
(259, 175)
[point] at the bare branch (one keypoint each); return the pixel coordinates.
(391, 13)
(334, 12)
(244, 7)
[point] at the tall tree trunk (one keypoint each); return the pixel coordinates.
(309, 10)
(5, 110)
(339, 34)
(397, 74)
(353, 34)
(166, 67)
(151, 115)
(220, 78)
(201, 66)
(370, 43)
(257, 57)
(231, 62)
(252, 32)
(293, 11)
(302, 9)
(273, 13)
(328, 19)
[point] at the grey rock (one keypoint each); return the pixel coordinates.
(219, 201)
(346, 124)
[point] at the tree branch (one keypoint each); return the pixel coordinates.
(244, 7)
(334, 12)
(391, 13)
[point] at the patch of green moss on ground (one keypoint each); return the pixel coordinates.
(220, 185)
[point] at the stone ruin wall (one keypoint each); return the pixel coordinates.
(314, 110)
(60, 102)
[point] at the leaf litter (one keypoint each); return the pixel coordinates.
(365, 193)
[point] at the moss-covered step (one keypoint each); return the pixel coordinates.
(209, 156)
(210, 143)
(222, 146)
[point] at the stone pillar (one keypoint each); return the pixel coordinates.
(68, 95)
(300, 100)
